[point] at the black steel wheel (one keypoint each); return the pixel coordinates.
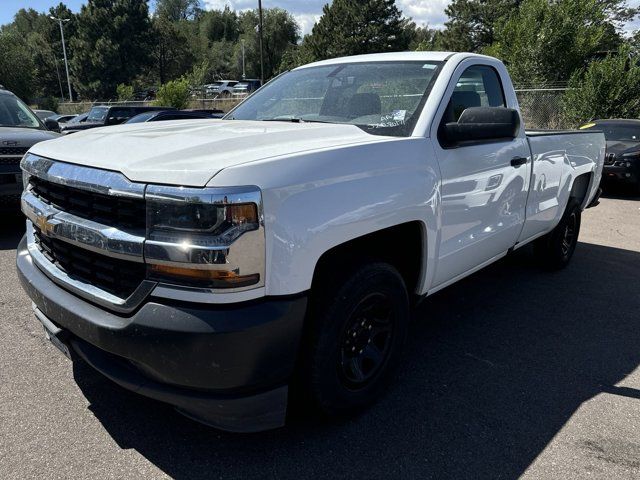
(366, 340)
(556, 248)
(358, 328)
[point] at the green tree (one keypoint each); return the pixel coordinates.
(172, 56)
(43, 46)
(125, 92)
(112, 45)
(280, 32)
(175, 93)
(472, 23)
(351, 27)
(608, 88)
(17, 70)
(219, 25)
(547, 41)
(176, 10)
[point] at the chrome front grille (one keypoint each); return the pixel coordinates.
(118, 277)
(86, 231)
(609, 158)
(12, 155)
(119, 212)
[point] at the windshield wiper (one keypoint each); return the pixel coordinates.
(295, 120)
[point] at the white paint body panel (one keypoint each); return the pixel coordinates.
(324, 185)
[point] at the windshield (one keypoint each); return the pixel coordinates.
(620, 133)
(14, 113)
(142, 117)
(382, 98)
(97, 114)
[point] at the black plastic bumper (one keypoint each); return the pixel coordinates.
(617, 174)
(227, 366)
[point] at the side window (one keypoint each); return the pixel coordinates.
(478, 86)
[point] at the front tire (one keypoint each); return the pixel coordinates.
(358, 331)
(556, 248)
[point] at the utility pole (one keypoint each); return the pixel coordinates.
(55, 60)
(64, 51)
(261, 53)
(243, 72)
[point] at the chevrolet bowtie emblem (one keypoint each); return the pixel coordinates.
(43, 224)
(9, 143)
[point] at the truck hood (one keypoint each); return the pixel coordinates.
(24, 137)
(618, 147)
(191, 152)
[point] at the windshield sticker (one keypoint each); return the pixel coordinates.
(398, 115)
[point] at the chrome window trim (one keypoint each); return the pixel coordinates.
(91, 179)
(86, 290)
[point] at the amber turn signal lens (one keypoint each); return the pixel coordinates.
(243, 213)
(209, 278)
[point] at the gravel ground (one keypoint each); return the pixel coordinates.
(510, 373)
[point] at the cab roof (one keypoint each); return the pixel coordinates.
(393, 57)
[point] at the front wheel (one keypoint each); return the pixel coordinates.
(556, 248)
(358, 330)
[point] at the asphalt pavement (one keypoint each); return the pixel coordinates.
(512, 372)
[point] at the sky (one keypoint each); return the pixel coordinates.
(306, 12)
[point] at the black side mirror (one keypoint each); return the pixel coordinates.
(482, 123)
(52, 125)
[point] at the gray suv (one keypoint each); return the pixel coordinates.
(20, 128)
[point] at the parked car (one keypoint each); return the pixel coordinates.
(104, 115)
(203, 265)
(222, 88)
(20, 128)
(163, 115)
(44, 114)
(622, 159)
(82, 117)
(246, 87)
(62, 118)
(214, 112)
(145, 95)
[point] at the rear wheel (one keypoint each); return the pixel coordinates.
(358, 331)
(556, 248)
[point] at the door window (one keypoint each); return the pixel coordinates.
(478, 86)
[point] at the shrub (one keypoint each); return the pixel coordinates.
(174, 94)
(125, 92)
(608, 88)
(49, 103)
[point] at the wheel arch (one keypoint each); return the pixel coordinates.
(580, 188)
(404, 246)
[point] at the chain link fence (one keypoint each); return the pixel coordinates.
(542, 108)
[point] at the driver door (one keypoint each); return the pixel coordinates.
(483, 195)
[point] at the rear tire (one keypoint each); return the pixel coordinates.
(556, 248)
(358, 330)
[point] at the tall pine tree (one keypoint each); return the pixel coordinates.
(352, 27)
(113, 44)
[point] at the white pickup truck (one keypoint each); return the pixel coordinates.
(214, 264)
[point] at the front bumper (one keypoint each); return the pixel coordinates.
(615, 173)
(10, 190)
(227, 366)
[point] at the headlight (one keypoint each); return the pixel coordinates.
(205, 237)
(631, 154)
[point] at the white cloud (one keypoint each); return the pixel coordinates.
(307, 12)
(425, 12)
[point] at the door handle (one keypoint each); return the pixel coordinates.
(517, 161)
